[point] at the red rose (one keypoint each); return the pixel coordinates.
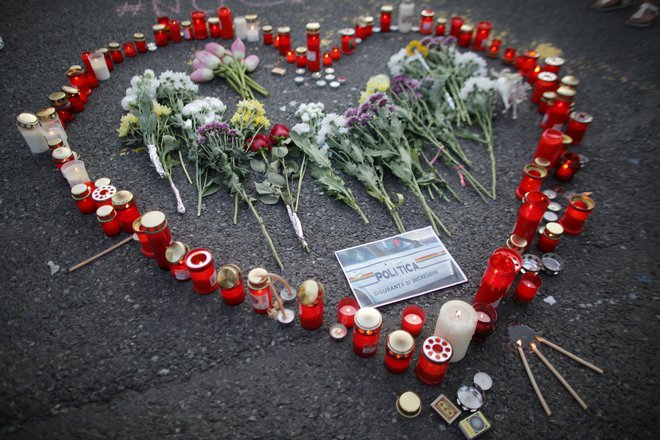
(278, 133)
(257, 142)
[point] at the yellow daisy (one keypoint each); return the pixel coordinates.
(415, 46)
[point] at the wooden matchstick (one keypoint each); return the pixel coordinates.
(558, 376)
(569, 354)
(100, 254)
(533, 381)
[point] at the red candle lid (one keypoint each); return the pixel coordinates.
(437, 349)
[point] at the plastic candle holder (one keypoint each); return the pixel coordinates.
(528, 287)
(456, 23)
(527, 62)
(413, 320)
(335, 53)
(456, 323)
(198, 19)
(482, 34)
(114, 49)
(360, 28)
(568, 165)
(369, 26)
(145, 246)
(102, 195)
(107, 217)
(578, 210)
(347, 41)
(385, 18)
(201, 266)
(434, 360)
(226, 22)
(290, 57)
(301, 57)
(440, 27)
(578, 122)
(549, 146)
(74, 172)
(346, 310)
(498, 277)
(327, 59)
(494, 48)
(158, 233)
(175, 32)
(366, 331)
(530, 213)
(28, 125)
(230, 280)
(107, 58)
(284, 39)
(140, 42)
(84, 56)
(486, 320)
(313, 30)
(75, 98)
(310, 304)
(509, 55)
(465, 35)
(127, 210)
(267, 34)
(426, 22)
(514, 255)
(559, 111)
(160, 35)
(533, 176)
(129, 49)
(82, 196)
(400, 348)
(187, 31)
(545, 82)
(259, 290)
(99, 66)
(176, 256)
(549, 239)
(78, 78)
(240, 28)
(406, 15)
(214, 27)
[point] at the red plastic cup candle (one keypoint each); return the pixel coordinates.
(198, 19)
(129, 49)
(578, 123)
(347, 41)
(559, 111)
(259, 290)
(313, 30)
(346, 310)
(482, 34)
(366, 331)
(84, 56)
(230, 280)
(284, 39)
(568, 165)
(75, 98)
(175, 31)
(385, 18)
(550, 145)
(368, 26)
(545, 82)
(527, 62)
(160, 35)
(530, 213)
(267, 34)
(498, 277)
(509, 55)
(140, 42)
(78, 78)
(440, 27)
(102, 195)
(290, 57)
(301, 57)
(579, 208)
(327, 59)
(335, 53)
(494, 48)
(61, 104)
(400, 348)
(214, 27)
(107, 59)
(226, 22)
(426, 22)
(527, 287)
(513, 254)
(549, 239)
(176, 256)
(145, 246)
(553, 64)
(456, 23)
(413, 319)
(201, 266)
(107, 217)
(533, 176)
(127, 210)
(158, 233)
(114, 49)
(82, 196)
(465, 36)
(546, 101)
(434, 360)
(360, 28)
(486, 320)
(310, 304)
(533, 75)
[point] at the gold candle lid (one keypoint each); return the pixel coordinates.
(113, 45)
(466, 28)
(58, 98)
(516, 242)
(158, 27)
(71, 91)
(409, 404)
(283, 30)
(122, 197)
(175, 252)
(79, 191)
(267, 29)
(368, 318)
(257, 278)
(309, 291)
(542, 162)
(566, 92)
(213, 20)
(61, 153)
(153, 221)
(46, 114)
(138, 36)
(229, 276)
(186, 23)
(554, 229)
(369, 20)
(428, 13)
(386, 8)
(301, 50)
(55, 142)
(105, 213)
(570, 80)
(251, 18)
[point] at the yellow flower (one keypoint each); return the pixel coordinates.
(377, 83)
(250, 114)
(162, 110)
(128, 121)
(415, 46)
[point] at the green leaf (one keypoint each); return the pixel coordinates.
(211, 189)
(264, 187)
(269, 199)
(258, 165)
(292, 166)
(276, 180)
(280, 152)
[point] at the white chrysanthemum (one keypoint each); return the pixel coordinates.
(332, 122)
(474, 84)
(470, 59)
(301, 128)
(128, 102)
(310, 111)
(204, 110)
(395, 63)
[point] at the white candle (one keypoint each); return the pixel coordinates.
(28, 125)
(406, 15)
(252, 28)
(240, 27)
(97, 60)
(74, 172)
(456, 323)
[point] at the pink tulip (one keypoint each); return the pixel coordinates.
(236, 47)
(197, 64)
(215, 48)
(251, 62)
(207, 59)
(202, 75)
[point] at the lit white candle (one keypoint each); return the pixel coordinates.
(74, 172)
(252, 28)
(97, 60)
(240, 26)
(456, 323)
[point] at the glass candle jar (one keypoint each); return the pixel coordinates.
(346, 310)
(546, 101)
(290, 57)
(465, 35)
(214, 27)
(107, 217)
(400, 348)
(494, 48)
(545, 82)
(549, 239)
(99, 66)
(259, 290)
(534, 205)
(310, 304)
(550, 145)
(426, 22)
(74, 97)
(74, 172)
(62, 106)
(174, 33)
(486, 320)
(527, 62)
(176, 256)
(509, 55)
(240, 28)
(313, 46)
(301, 57)
(456, 24)
(406, 16)
(187, 30)
(532, 180)
(107, 58)
(578, 123)
(201, 266)
(440, 27)
(434, 360)
(335, 54)
(386, 18)
(577, 212)
(114, 49)
(28, 125)
(78, 78)
(327, 60)
(528, 286)
(496, 281)
(252, 28)
(140, 42)
(129, 49)
(366, 331)
(198, 19)
(145, 246)
(127, 210)
(553, 64)
(160, 35)
(482, 34)
(347, 41)
(82, 196)
(284, 38)
(230, 281)
(61, 156)
(558, 112)
(569, 164)
(516, 243)
(413, 319)
(226, 22)
(158, 233)
(267, 32)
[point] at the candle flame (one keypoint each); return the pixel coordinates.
(519, 342)
(533, 345)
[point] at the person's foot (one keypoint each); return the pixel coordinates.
(644, 16)
(610, 5)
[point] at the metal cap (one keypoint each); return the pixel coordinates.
(309, 291)
(55, 142)
(582, 203)
(61, 153)
(175, 252)
(27, 120)
(105, 213)
(216, 20)
(150, 220)
(554, 228)
(386, 8)
(547, 76)
(113, 45)
(283, 30)
(409, 404)
(338, 331)
(548, 96)
(554, 61)
(369, 20)
(400, 342)
(46, 114)
(251, 18)
(466, 28)
(552, 263)
(229, 276)
(186, 23)
(542, 162)
(571, 81)
(535, 171)
(301, 50)
(103, 181)
(566, 92)
(347, 32)
(428, 13)
(122, 197)
(71, 91)
(368, 318)
(138, 36)
(267, 29)
(57, 98)
(313, 27)
(79, 191)
(158, 27)
(582, 117)
(257, 278)
(531, 263)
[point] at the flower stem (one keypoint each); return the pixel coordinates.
(264, 232)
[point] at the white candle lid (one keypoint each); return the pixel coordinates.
(368, 318)
(400, 342)
(106, 192)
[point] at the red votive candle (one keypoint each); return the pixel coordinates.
(579, 208)
(159, 236)
(569, 164)
(527, 287)
(129, 49)
(533, 75)
(276, 42)
(434, 360)
(290, 57)
(301, 57)
(550, 145)
(366, 331)
(102, 195)
(497, 279)
(214, 27)
(426, 22)
(82, 195)
(78, 78)
(482, 34)
(310, 304)
(284, 39)
(327, 59)
(577, 126)
(528, 62)
(160, 35)
(347, 41)
(545, 82)
(198, 19)
(553, 64)
(145, 246)
(360, 28)
(335, 53)
(201, 266)
(127, 210)
(400, 348)
(513, 254)
(140, 42)
(107, 217)
(494, 48)
(440, 27)
(549, 239)
(546, 101)
(107, 58)
(534, 205)
(226, 22)
(84, 56)
(533, 176)
(230, 280)
(176, 256)
(313, 46)
(486, 320)
(259, 290)
(75, 98)
(62, 155)
(509, 55)
(175, 32)
(346, 310)
(465, 36)
(267, 34)
(558, 112)
(413, 319)
(456, 23)
(115, 52)
(385, 18)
